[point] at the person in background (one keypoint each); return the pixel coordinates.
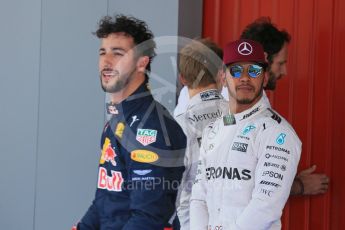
(200, 70)
(247, 164)
(142, 146)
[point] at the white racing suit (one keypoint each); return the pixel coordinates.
(203, 108)
(245, 171)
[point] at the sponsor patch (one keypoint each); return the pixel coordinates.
(266, 192)
(270, 164)
(273, 174)
(238, 146)
(134, 119)
(251, 113)
(111, 109)
(142, 172)
(281, 139)
(146, 136)
(269, 183)
(144, 156)
(213, 130)
(276, 148)
(211, 146)
(268, 156)
(205, 116)
(227, 173)
(243, 137)
(209, 95)
(229, 119)
(275, 116)
(119, 129)
(108, 153)
(110, 183)
(145, 178)
(247, 129)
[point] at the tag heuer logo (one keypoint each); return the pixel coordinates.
(146, 136)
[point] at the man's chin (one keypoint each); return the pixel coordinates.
(244, 101)
(113, 88)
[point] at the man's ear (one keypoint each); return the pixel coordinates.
(142, 63)
(222, 76)
(182, 79)
(266, 56)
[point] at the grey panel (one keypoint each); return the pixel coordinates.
(162, 19)
(19, 75)
(71, 113)
(190, 18)
(189, 22)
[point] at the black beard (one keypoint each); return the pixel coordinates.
(272, 82)
(117, 87)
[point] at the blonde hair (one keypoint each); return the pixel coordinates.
(199, 62)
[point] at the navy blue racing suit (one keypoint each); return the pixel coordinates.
(140, 169)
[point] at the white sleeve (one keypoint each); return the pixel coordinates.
(184, 194)
(182, 102)
(278, 156)
(198, 206)
(225, 93)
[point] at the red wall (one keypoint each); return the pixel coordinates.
(311, 96)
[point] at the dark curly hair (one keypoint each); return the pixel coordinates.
(265, 32)
(133, 27)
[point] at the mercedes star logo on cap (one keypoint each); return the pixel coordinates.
(245, 48)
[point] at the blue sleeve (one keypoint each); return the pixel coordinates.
(90, 220)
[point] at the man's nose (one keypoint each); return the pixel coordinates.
(245, 76)
(108, 60)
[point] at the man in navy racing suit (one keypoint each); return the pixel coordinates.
(142, 146)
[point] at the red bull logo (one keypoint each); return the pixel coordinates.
(108, 153)
(110, 183)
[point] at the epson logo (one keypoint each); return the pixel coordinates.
(238, 146)
(228, 173)
(269, 183)
(273, 174)
(269, 164)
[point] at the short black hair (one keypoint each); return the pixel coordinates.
(130, 26)
(268, 35)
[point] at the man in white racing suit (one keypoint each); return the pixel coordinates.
(247, 163)
(200, 68)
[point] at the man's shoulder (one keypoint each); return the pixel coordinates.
(162, 119)
(271, 120)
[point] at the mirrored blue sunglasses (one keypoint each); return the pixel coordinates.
(253, 70)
